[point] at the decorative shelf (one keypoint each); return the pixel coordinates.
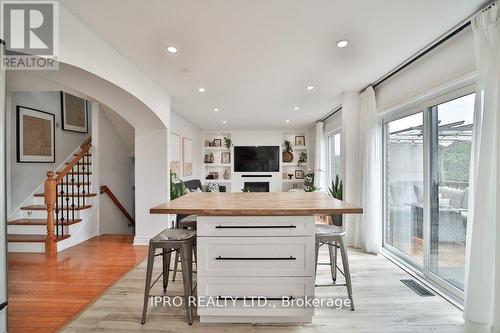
(218, 165)
(304, 165)
(292, 180)
(299, 147)
(215, 148)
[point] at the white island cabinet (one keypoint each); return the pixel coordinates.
(255, 253)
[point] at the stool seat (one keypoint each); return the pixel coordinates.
(329, 230)
(189, 222)
(173, 235)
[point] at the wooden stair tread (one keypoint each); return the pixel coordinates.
(83, 155)
(31, 238)
(76, 195)
(43, 207)
(39, 222)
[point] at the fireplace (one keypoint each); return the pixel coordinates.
(257, 186)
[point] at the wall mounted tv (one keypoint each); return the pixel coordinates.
(256, 159)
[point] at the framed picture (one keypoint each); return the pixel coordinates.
(217, 143)
(225, 157)
(175, 153)
(187, 157)
(74, 113)
(299, 174)
(300, 140)
(35, 136)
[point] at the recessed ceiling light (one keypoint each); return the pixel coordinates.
(224, 121)
(342, 43)
(310, 87)
(288, 120)
(296, 108)
(171, 49)
(202, 90)
(216, 110)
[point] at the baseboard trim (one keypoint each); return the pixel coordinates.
(141, 241)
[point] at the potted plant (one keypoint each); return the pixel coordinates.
(177, 187)
(336, 191)
(228, 143)
(302, 158)
(309, 182)
(287, 155)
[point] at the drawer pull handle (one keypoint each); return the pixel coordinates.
(246, 258)
(229, 298)
(255, 227)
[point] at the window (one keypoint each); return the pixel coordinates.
(427, 154)
(333, 161)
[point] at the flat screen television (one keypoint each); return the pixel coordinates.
(256, 159)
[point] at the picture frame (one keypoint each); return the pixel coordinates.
(175, 155)
(74, 113)
(187, 157)
(299, 174)
(35, 136)
(300, 140)
(217, 142)
(225, 157)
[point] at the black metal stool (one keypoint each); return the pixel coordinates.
(181, 241)
(333, 237)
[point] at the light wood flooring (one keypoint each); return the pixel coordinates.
(383, 304)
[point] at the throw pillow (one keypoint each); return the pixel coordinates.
(213, 187)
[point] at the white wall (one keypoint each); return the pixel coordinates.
(116, 170)
(184, 128)
(452, 60)
(26, 177)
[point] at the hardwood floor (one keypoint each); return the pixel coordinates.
(46, 293)
(383, 304)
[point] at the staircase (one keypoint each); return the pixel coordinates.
(48, 223)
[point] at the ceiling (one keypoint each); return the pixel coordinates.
(256, 57)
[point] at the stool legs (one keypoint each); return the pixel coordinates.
(332, 251)
(176, 265)
(147, 288)
(166, 267)
(187, 277)
(347, 272)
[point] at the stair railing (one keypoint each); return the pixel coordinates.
(62, 195)
(105, 189)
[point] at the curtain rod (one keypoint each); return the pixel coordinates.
(334, 111)
(445, 37)
(433, 45)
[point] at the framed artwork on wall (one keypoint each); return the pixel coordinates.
(225, 157)
(74, 113)
(299, 174)
(187, 157)
(35, 136)
(175, 155)
(300, 140)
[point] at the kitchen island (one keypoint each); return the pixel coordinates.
(255, 252)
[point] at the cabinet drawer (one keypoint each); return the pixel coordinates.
(232, 296)
(255, 226)
(255, 256)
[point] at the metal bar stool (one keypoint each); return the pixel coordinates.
(181, 241)
(189, 223)
(333, 237)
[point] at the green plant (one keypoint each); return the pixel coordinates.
(246, 189)
(287, 146)
(311, 188)
(336, 191)
(302, 158)
(228, 143)
(177, 187)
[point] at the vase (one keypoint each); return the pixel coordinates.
(226, 174)
(287, 157)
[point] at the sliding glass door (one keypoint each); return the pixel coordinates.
(427, 155)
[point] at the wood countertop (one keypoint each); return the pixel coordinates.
(256, 204)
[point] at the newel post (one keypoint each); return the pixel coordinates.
(50, 201)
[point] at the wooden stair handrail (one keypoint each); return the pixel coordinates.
(105, 189)
(50, 196)
(85, 149)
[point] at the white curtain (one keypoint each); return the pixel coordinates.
(364, 231)
(482, 280)
(319, 158)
